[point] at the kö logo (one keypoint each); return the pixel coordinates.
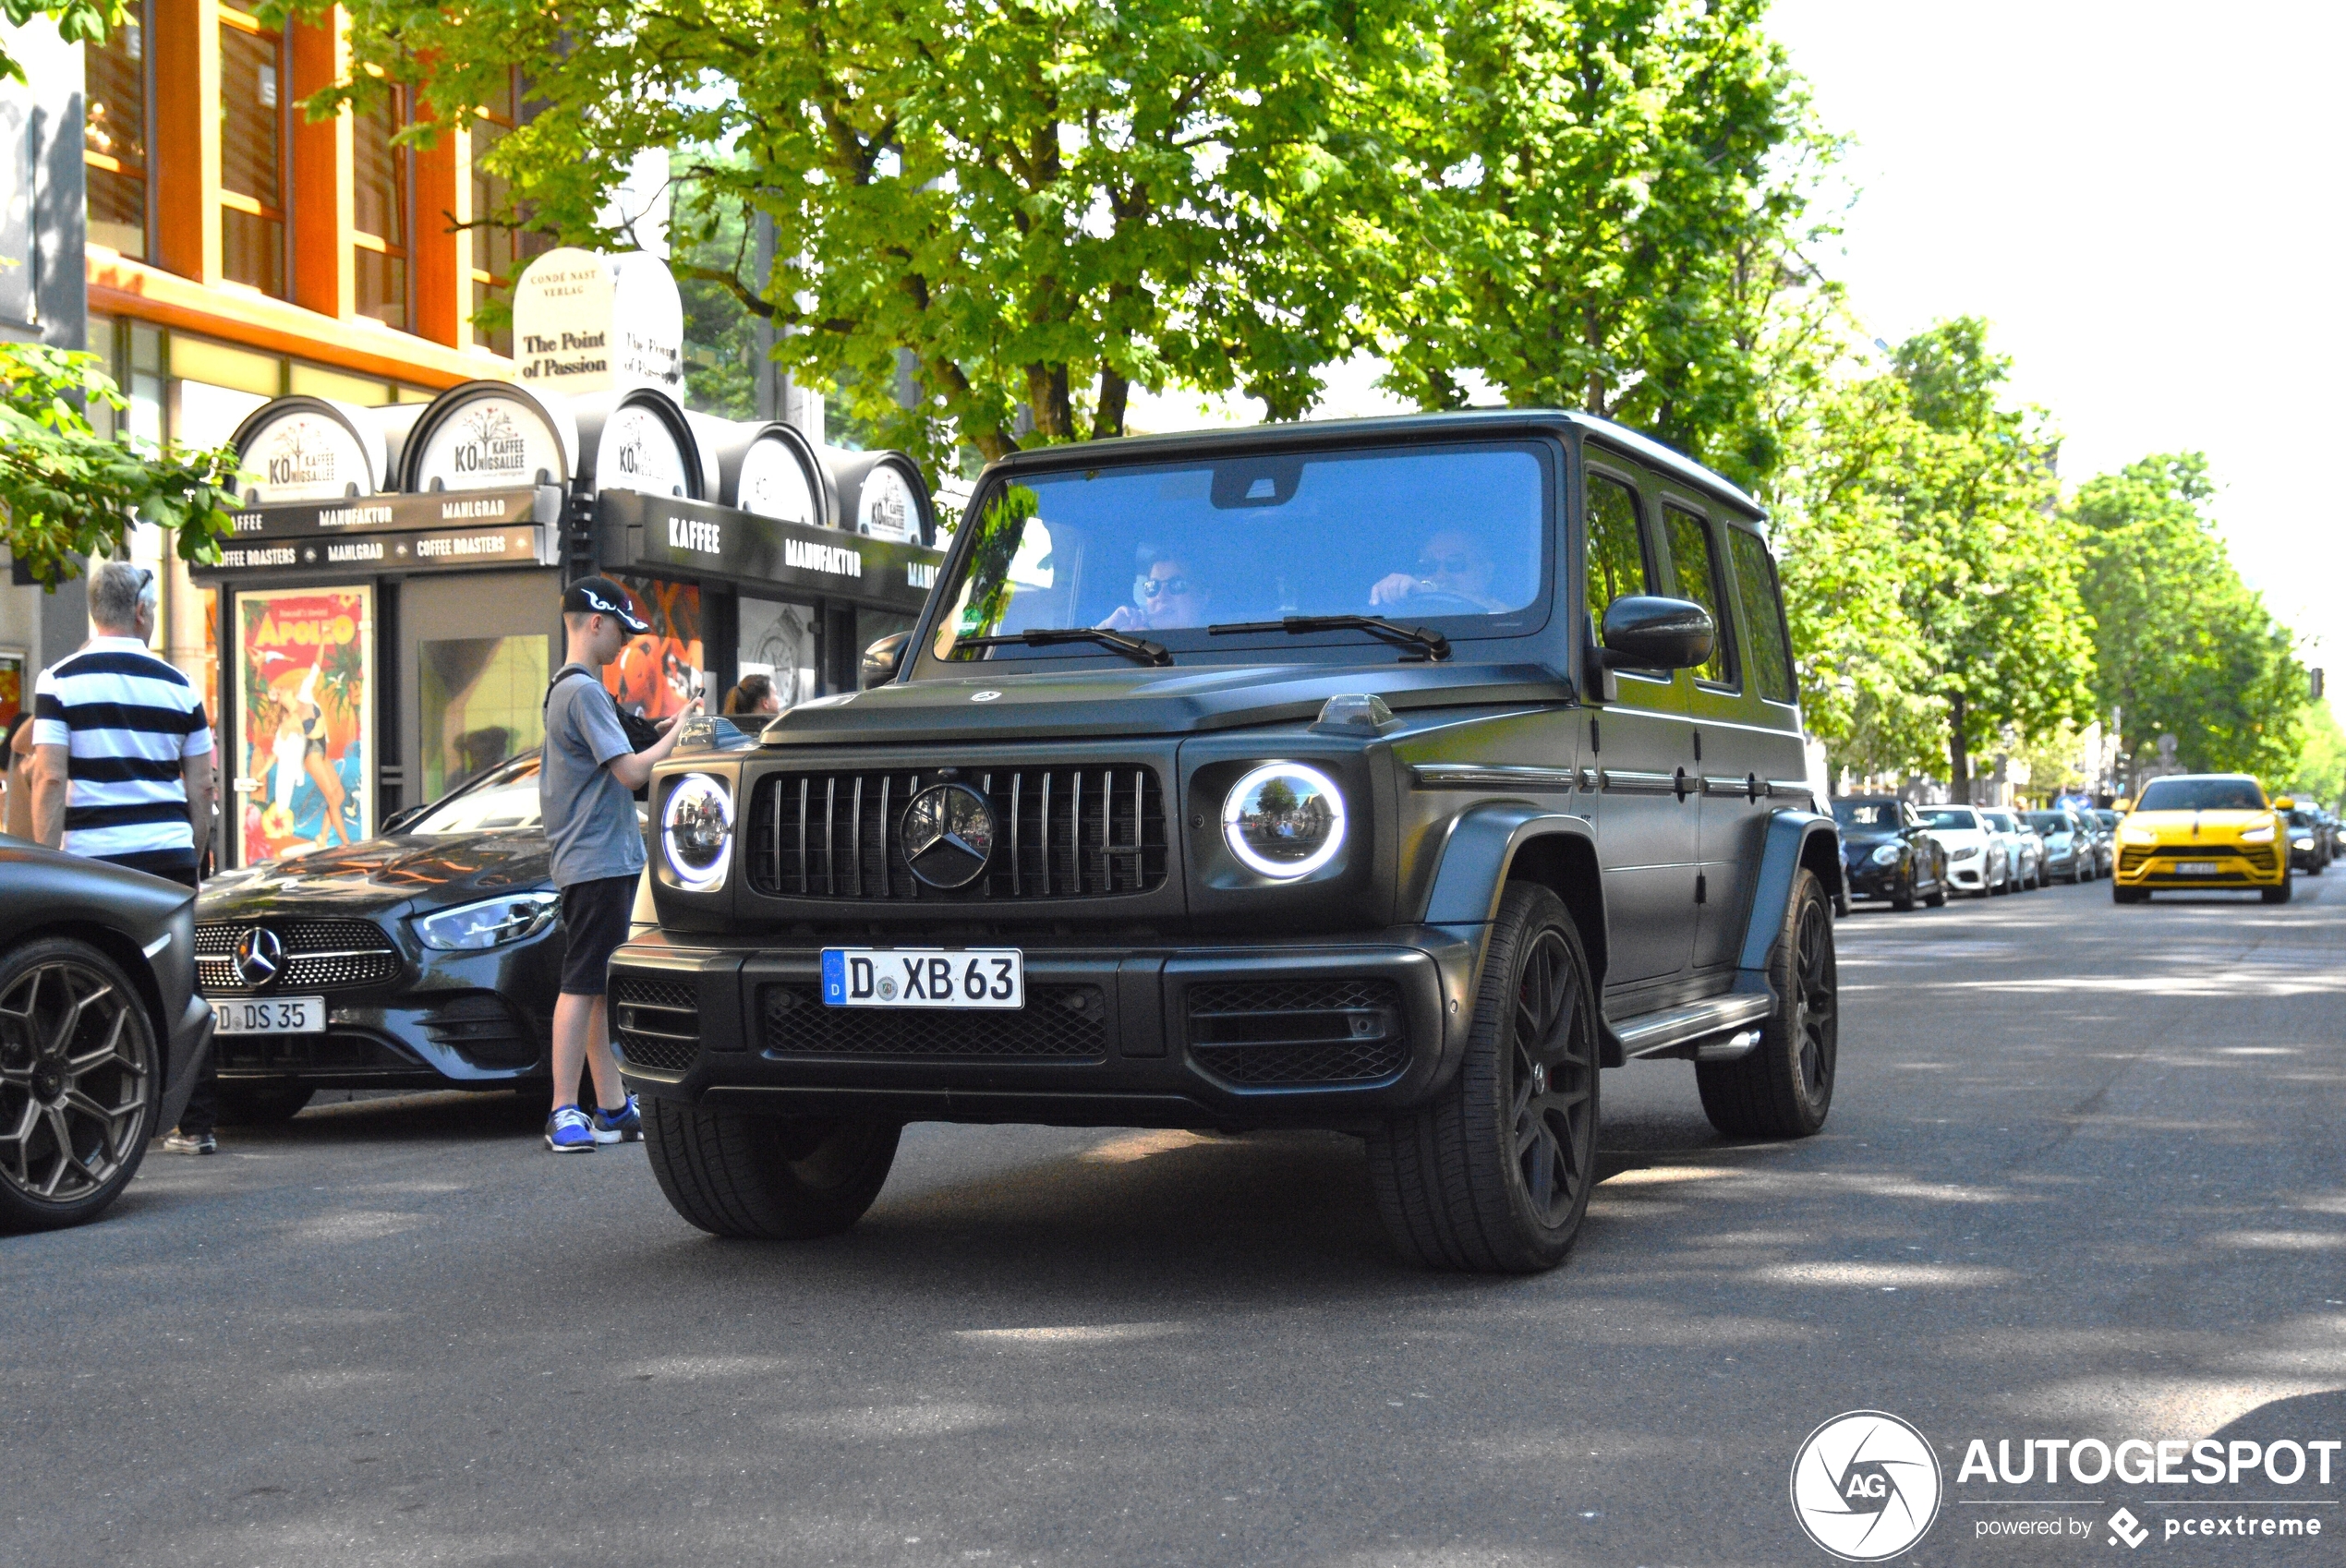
(1866, 1486)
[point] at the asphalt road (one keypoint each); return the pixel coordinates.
(2084, 1179)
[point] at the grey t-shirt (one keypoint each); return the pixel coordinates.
(589, 816)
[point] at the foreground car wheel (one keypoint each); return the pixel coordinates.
(771, 1178)
(1784, 1089)
(2276, 895)
(1494, 1175)
(1936, 898)
(78, 1083)
(2129, 895)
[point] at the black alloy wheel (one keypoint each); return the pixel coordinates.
(1784, 1088)
(1493, 1175)
(79, 1084)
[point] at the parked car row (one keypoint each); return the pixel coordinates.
(1907, 854)
(2312, 836)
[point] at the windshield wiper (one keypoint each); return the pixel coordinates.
(1429, 644)
(1138, 649)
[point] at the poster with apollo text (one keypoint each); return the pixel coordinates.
(305, 727)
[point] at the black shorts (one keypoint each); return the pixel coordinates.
(594, 925)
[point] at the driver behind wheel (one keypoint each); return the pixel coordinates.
(1451, 565)
(1166, 594)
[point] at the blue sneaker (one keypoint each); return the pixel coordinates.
(568, 1131)
(623, 1126)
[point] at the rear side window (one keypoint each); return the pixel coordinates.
(1699, 579)
(1771, 649)
(1617, 560)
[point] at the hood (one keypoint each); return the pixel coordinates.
(1869, 837)
(385, 874)
(1000, 704)
(2211, 824)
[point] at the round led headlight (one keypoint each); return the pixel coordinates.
(696, 832)
(1886, 854)
(1284, 820)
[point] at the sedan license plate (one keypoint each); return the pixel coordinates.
(924, 977)
(275, 1014)
(2196, 868)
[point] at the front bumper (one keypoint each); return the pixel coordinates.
(2250, 865)
(1969, 875)
(1867, 880)
(1266, 1033)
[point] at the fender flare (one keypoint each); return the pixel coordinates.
(1790, 836)
(1480, 847)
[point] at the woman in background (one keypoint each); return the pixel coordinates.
(754, 695)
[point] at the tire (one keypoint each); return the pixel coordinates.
(79, 1083)
(2129, 895)
(2276, 895)
(1784, 1089)
(1493, 1175)
(1937, 900)
(262, 1105)
(767, 1178)
(1904, 900)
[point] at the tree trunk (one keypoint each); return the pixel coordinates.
(1958, 753)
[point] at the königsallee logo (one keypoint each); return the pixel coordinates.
(1866, 1486)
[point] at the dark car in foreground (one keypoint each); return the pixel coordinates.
(1392, 777)
(425, 957)
(101, 1028)
(1888, 853)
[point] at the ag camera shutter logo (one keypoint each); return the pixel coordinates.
(1866, 1486)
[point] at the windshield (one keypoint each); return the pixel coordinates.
(1949, 816)
(1455, 535)
(2201, 794)
(2047, 822)
(506, 797)
(1865, 814)
(2000, 821)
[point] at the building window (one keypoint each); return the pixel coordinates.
(115, 136)
(379, 212)
(498, 252)
(252, 145)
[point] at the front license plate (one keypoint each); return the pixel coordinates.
(275, 1015)
(924, 977)
(2196, 868)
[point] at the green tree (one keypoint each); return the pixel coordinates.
(1044, 205)
(1623, 186)
(2320, 774)
(78, 21)
(2183, 645)
(67, 490)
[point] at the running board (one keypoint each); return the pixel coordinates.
(1691, 1031)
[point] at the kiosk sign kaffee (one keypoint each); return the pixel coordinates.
(394, 583)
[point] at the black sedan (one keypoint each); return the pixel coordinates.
(425, 957)
(100, 1029)
(1887, 852)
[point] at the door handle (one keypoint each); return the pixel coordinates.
(1679, 786)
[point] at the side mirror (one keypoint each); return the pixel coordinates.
(883, 660)
(1642, 631)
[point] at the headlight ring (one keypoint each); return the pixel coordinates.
(491, 922)
(1284, 820)
(696, 832)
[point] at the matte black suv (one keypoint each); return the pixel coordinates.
(1390, 776)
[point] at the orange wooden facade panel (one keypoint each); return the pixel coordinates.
(318, 162)
(184, 137)
(442, 251)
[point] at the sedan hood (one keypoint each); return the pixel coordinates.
(381, 874)
(1008, 703)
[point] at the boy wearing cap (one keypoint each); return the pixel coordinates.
(585, 796)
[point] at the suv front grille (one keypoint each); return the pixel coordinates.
(321, 954)
(2259, 856)
(655, 1023)
(1290, 1033)
(1059, 833)
(1059, 1023)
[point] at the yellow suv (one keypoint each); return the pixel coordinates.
(2201, 830)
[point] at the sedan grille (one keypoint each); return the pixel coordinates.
(319, 955)
(1288, 1035)
(1059, 833)
(1059, 1023)
(655, 1023)
(2259, 856)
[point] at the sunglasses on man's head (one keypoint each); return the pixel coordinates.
(1150, 587)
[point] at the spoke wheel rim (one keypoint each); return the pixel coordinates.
(73, 1081)
(1553, 1081)
(1815, 1003)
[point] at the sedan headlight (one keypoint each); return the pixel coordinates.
(1963, 853)
(696, 832)
(1284, 820)
(2301, 843)
(491, 923)
(2257, 834)
(2137, 836)
(1886, 854)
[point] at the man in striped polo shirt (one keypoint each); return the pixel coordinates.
(122, 762)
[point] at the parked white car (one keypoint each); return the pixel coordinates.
(2023, 849)
(1976, 860)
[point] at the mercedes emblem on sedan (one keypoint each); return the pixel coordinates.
(260, 955)
(948, 835)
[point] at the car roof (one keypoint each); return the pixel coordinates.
(1396, 428)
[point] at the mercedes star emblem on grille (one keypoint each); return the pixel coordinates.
(948, 835)
(260, 955)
